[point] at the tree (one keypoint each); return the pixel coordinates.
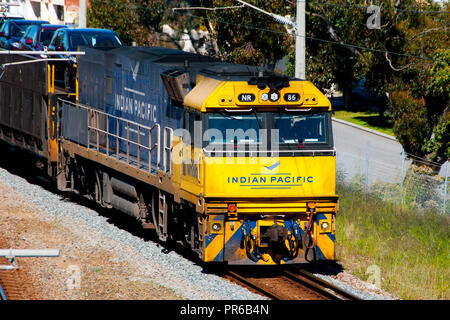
(134, 21)
(438, 93)
(247, 36)
(426, 80)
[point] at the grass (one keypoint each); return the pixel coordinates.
(410, 248)
(368, 119)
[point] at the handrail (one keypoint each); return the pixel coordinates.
(93, 125)
(168, 132)
(12, 254)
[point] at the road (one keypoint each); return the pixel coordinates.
(364, 152)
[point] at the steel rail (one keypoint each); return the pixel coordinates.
(320, 284)
(253, 285)
(299, 277)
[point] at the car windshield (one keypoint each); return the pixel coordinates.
(45, 36)
(17, 30)
(93, 40)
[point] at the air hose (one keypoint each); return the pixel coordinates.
(250, 240)
(308, 237)
(295, 244)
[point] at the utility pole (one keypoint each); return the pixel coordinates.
(300, 27)
(300, 33)
(82, 14)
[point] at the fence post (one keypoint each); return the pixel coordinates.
(366, 184)
(402, 177)
(445, 186)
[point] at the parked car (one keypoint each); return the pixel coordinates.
(12, 30)
(38, 37)
(5, 16)
(68, 39)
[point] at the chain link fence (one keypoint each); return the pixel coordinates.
(413, 182)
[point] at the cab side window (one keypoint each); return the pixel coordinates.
(186, 126)
(192, 124)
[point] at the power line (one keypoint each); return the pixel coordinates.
(365, 7)
(307, 2)
(321, 40)
(307, 37)
(209, 9)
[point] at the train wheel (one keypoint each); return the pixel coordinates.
(98, 192)
(159, 214)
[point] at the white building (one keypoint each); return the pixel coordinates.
(51, 10)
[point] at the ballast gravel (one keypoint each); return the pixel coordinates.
(169, 270)
(140, 261)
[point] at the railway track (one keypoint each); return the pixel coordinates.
(289, 284)
(15, 284)
(9, 284)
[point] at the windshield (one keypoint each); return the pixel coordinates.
(300, 129)
(45, 36)
(242, 128)
(94, 40)
(18, 30)
(279, 130)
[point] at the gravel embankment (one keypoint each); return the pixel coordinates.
(104, 256)
(101, 261)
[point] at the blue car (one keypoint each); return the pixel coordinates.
(68, 39)
(38, 37)
(12, 30)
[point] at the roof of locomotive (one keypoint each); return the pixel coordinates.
(191, 62)
(217, 84)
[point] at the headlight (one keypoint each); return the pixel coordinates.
(324, 226)
(216, 227)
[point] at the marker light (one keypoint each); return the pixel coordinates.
(274, 96)
(311, 205)
(232, 207)
(324, 226)
(216, 227)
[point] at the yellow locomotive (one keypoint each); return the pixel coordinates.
(266, 172)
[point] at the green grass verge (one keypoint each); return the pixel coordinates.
(368, 119)
(410, 248)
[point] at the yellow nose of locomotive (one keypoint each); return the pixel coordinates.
(259, 188)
